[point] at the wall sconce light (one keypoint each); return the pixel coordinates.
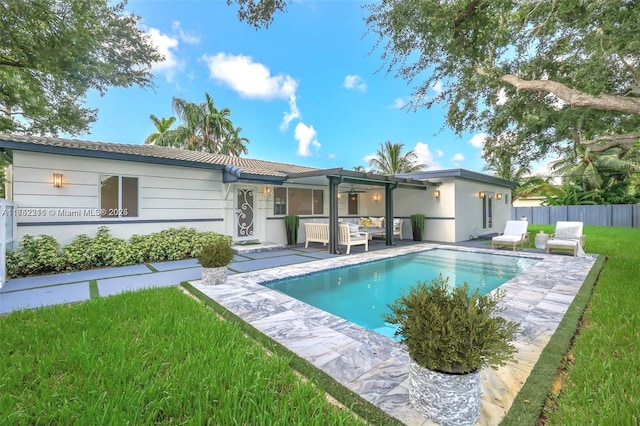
(267, 191)
(339, 196)
(481, 194)
(436, 193)
(499, 196)
(57, 180)
(376, 197)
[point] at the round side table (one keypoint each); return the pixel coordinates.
(541, 240)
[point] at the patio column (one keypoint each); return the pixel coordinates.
(333, 214)
(388, 208)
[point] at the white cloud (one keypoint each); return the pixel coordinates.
(250, 79)
(425, 156)
(253, 80)
(167, 46)
(331, 156)
(501, 98)
(477, 140)
(307, 138)
(457, 158)
(398, 103)
(293, 114)
(354, 82)
(437, 87)
(187, 37)
(440, 153)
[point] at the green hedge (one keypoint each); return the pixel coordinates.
(42, 254)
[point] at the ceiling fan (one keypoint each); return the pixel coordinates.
(353, 190)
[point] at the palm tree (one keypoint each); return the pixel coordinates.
(234, 144)
(501, 165)
(162, 125)
(205, 128)
(592, 169)
(390, 160)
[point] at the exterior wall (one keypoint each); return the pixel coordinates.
(468, 212)
(168, 196)
(528, 202)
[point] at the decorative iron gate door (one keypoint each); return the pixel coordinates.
(245, 210)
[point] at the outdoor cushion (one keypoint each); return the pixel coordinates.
(571, 232)
(515, 231)
(377, 222)
(354, 228)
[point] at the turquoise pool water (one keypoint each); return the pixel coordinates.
(360, 293)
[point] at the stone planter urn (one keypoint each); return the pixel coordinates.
(447, 399)
(214, 276)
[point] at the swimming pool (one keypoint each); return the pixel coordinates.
(360, 293)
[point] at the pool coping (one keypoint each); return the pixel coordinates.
(375, 366)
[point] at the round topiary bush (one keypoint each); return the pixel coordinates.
(217, 253)
(451, 330)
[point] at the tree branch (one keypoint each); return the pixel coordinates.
(575, 98)
(614, 141)
(10, 63)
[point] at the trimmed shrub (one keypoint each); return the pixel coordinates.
(35, 255)
(452, 330)
(79, 254)
(41, 255)
(217, 253)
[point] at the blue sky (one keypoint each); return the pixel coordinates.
(308, 90)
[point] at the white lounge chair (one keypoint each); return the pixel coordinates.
(515, 232)
(568, 236)
(348, 237)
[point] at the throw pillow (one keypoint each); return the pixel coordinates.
(568, 233)
(376, 222)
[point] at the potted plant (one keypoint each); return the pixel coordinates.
(417, 226)
(291, 224)
(214, 258)
(450, 334)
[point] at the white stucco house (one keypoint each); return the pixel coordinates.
(66, 187)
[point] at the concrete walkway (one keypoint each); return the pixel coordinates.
(70, 287)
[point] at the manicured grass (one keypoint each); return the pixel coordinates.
(152, 356)
(600, 384)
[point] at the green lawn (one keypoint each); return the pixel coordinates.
(156, 356)
(153, 356)
(601, 382)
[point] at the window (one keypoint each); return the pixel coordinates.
(318, 201)
(119, 196)
(352, 204)
(299, 201)
(280, 200)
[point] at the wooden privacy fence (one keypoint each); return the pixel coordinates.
(609, 215)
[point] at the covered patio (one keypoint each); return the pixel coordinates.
(338, 179)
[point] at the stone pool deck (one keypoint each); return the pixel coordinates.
(375, 366)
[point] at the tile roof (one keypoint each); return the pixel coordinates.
(92, 149)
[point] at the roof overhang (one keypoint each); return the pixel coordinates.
(79, 152)
(460, 173)
(321, 176)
